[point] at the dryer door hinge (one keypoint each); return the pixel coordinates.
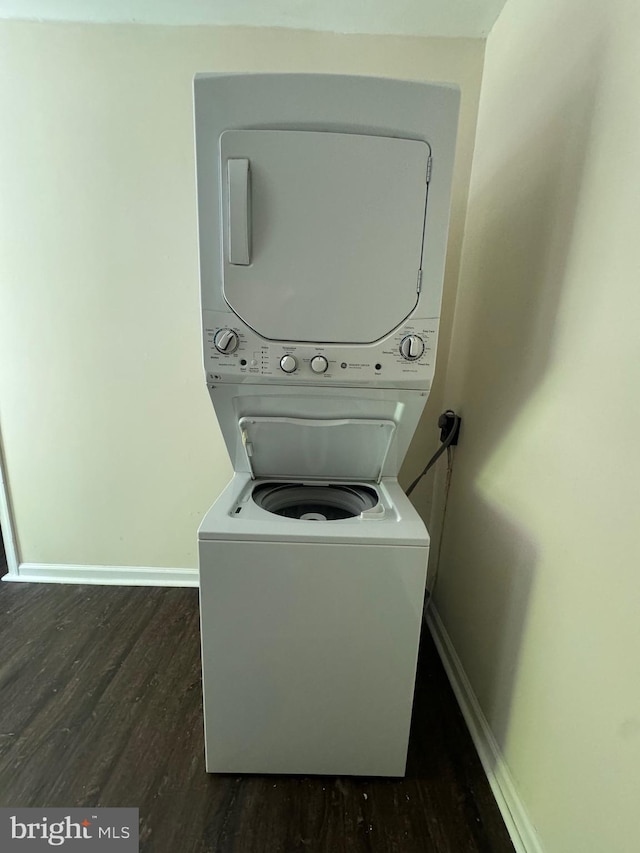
(419, 285)
(429, 169)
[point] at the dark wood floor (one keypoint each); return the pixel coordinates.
(100, 705)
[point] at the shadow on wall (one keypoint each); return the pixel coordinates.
(521, 224)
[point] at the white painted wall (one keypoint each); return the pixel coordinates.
(540, 575)
(433, 18)
(112, 449)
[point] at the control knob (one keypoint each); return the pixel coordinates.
(319, 364)
(226, 341)
(288, 363)
(411, 347)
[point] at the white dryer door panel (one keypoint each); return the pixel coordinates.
(322, 232)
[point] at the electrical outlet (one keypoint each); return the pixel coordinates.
(446, 422)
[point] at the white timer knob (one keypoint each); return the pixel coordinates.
(411, 347)
(226, 341)
(288, 363)
(319, 364)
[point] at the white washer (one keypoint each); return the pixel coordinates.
(323, 208)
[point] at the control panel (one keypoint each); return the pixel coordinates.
(235, 353)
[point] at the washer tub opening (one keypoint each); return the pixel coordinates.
(314, 503)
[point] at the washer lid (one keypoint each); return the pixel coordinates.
(299, 448)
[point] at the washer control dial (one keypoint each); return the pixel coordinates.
(319, 364)
(226, 341)
(411, 347)
(288, 363)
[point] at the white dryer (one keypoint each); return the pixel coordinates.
(323, 208)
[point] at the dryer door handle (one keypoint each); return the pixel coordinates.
(239, 178)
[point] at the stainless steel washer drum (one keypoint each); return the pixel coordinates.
(314, 503)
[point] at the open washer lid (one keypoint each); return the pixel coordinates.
(300, 448)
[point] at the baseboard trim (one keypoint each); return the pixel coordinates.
(104, 575)
(519, 826)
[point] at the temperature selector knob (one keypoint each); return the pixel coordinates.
(411, 347)
(319, 364)
(226, 341)
(288, 363)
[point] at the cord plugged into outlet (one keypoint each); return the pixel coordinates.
(449, 424)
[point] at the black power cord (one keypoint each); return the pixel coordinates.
(452, 421)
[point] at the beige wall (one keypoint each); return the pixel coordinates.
(112, 449)
(540, 576)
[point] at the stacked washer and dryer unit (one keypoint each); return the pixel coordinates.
(323, 207)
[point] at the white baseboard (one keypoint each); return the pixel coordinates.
(519, 826)
(105, 575)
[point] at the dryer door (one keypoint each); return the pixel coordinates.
(322, 232)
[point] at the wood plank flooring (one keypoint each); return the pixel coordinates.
(100, 705)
